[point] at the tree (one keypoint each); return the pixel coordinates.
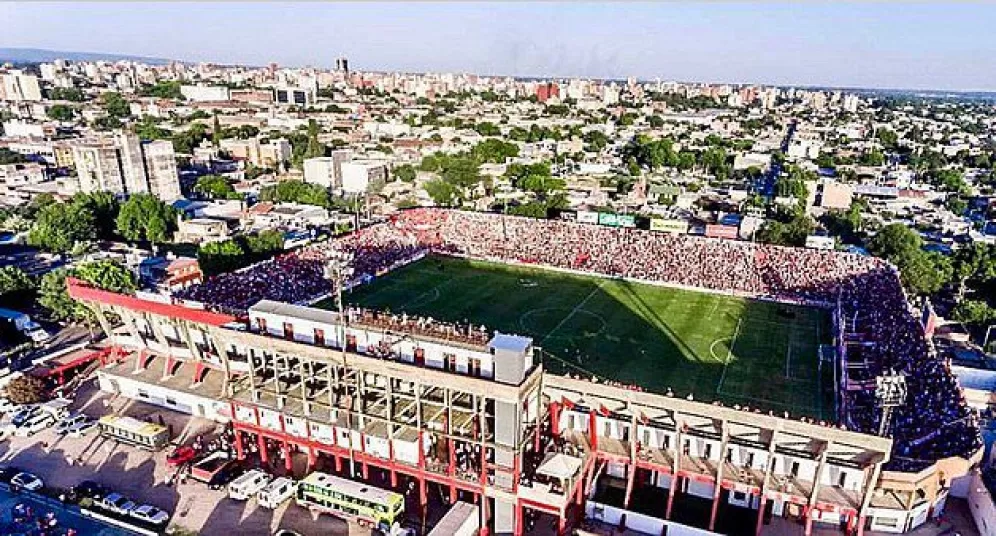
(487, 129)
(104, 207)
(973, 312)
(166, 89)
(655, 121)
(790, 233)
(66, 93)
(27, 390)
(294, 191)
(215, 187)
(216, 133)
(442, 193)
(220, 257)
(315, 148)
(59, 227)
(107, 275)
(61, 112)
(888, 138)
(13, 280)
(922, 272)
(115, 105)
(956, 205)
(10, 157)
(494, 150)
(143, 217)
(405, 173)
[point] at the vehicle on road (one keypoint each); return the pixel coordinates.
(367, 505)
(150, 514)
(181, 455)
(27, 481)
(144, 435)
(276, 492)
(117, 503)
(248, 485)
(82, 428)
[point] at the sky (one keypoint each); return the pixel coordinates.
(949, 46)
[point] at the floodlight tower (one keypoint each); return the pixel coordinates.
(338, 270)
(890, 392)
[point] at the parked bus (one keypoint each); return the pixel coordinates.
(144, 435)
(355, 501)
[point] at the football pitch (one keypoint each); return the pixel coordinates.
(715, 347)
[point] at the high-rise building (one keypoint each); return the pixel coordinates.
(326, 170)
(17, 86)
(125, 165)
(160, 167)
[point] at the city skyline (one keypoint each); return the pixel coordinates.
(918, 47)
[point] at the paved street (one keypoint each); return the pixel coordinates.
(140, 475)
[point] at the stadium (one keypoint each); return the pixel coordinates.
(736, 374)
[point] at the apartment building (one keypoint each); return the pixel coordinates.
(17, 86)
(123, 164)
(326, 170)
(363, 176)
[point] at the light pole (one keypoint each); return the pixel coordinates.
(890, 392)
(338, 270)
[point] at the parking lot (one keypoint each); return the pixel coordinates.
(63, 461)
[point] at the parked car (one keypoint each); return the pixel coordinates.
(27, 481)
(181, 455)
(62, 427)
(87, 489)
(6, 406)
(248, 485)
(25, 413)
(34, 425)
(81, 428)
(117, 503)
(8, 473)
(225, 476)
(150, 514)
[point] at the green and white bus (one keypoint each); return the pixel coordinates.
(353, 501)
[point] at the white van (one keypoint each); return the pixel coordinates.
(246, 486)
(276, 492)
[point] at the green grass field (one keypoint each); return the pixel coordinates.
(716, 347)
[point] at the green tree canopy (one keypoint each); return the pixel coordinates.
(922, 272)
(14, 281)
(61, 112)
(58, 227)
(216, 187)
(105, 274)
(494, 150)
(443, 193)
(405, 173)
(115, 105)
(295, 191)
(104, 207)
(143, 217)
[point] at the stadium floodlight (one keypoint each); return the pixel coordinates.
(339, 269)
(890, 392)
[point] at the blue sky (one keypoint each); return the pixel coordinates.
(919, 45)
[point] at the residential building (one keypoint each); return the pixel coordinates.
(202, 93)
(326, 170)
(361, 177)
(17, 86)
(123, 164)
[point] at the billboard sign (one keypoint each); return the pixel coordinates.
(587, 217)
(722, 231)
(609, 219)
(669, 226)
